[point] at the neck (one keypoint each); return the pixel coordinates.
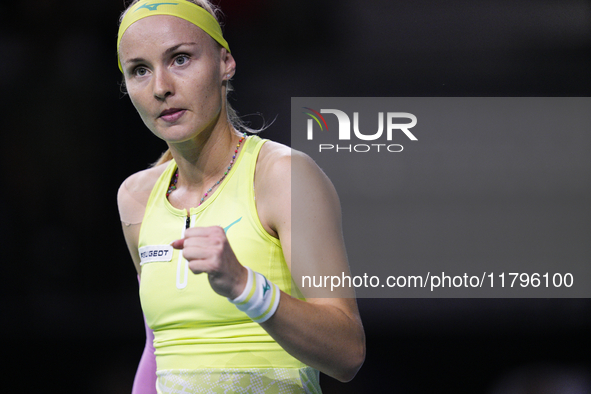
(205, 156)
(201, 164)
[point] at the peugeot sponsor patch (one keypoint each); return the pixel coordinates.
(155, 253)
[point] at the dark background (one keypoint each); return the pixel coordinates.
(71, 320)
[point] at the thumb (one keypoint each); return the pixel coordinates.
(178, 244)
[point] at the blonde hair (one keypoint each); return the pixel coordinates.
(233, 118)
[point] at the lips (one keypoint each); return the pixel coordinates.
(172, 114)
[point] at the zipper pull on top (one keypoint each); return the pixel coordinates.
(188, 222)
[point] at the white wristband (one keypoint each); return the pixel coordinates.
(259, 299)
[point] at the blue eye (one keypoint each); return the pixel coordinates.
(140, 71)
(180, 60)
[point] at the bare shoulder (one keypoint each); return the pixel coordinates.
(276, 162)
(284, 175)
(274, 159)
(132, 199)
(281, 165)
(134, 192)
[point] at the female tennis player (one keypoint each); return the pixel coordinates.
(209, 226)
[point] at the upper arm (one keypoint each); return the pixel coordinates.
(297, 200)
(131, 228)
(132, 199)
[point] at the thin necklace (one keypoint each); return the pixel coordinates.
(175, 178)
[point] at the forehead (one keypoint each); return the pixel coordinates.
(160, 31)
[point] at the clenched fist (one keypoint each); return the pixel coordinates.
(208, 251)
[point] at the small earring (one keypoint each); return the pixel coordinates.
(228, 76)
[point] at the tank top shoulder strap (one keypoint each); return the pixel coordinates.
(245, 181)
(251, 154)
(161, 185)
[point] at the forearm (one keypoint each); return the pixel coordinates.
(145, 376)
(320, 334)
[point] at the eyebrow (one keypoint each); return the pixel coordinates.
(166, 52)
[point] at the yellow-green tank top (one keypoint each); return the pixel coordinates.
(203, 343)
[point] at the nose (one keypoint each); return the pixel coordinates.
(163, 84)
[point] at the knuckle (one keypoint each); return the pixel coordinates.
(217, 230)
(195, 268)
(218, 247)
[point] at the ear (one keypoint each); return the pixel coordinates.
(228, 65)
